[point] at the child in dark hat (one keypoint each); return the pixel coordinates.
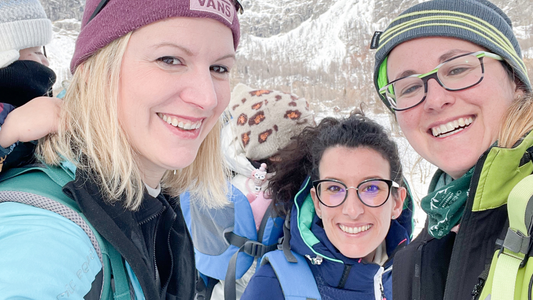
(24, 75)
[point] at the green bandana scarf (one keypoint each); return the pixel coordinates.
(445, 205)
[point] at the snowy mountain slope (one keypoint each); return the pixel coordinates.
(318, 49)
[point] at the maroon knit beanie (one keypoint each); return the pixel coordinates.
(118, 17)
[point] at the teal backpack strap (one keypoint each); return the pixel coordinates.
(41, 174)
(122, 288)
(25, 186)
(516, 246)
(296, 279)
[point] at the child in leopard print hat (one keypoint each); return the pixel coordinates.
(263, 122)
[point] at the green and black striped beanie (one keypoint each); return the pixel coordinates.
(476, 21)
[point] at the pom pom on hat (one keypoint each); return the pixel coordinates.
(264, 121)
(23, 24)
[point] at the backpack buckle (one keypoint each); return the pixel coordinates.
(257, 249)
(516, 242)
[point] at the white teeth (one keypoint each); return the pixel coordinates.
(443, 128)
(180, 124)
(452, 127)
(354, 230)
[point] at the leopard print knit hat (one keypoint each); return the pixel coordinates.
(265, 120)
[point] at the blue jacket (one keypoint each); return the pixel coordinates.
(361, 280)
(45, 255)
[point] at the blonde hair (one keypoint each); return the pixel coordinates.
(89, 135)
(517, 121)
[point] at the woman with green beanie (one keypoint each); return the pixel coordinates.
(449, 70)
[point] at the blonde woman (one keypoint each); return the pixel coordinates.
(140, 123)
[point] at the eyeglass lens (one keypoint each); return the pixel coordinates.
(371, 193)
(458, 73)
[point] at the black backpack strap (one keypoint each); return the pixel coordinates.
(269, 213)
(252, 248)
(284, 242)
(255, 249)
(205, 290)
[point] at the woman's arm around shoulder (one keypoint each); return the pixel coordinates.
(263, 285)
(43, 255)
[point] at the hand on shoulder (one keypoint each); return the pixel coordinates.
(31, 121)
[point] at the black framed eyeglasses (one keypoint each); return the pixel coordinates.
(371, 192)
(103, 3)
(455, 74)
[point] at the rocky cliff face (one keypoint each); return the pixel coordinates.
(63, 9)
(318, 49)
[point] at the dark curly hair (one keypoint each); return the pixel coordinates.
(301, 158)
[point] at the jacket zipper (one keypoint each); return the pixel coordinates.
(153, 217)
(163, 287)
(378, 285)
(156, 271)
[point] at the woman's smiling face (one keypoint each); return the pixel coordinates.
(174, 85)
(481, 107)
(354, 229)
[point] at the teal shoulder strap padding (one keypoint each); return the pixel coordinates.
(26, 186)
(516, 245)
(296, 279)
(122, 288)
(35, 177)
